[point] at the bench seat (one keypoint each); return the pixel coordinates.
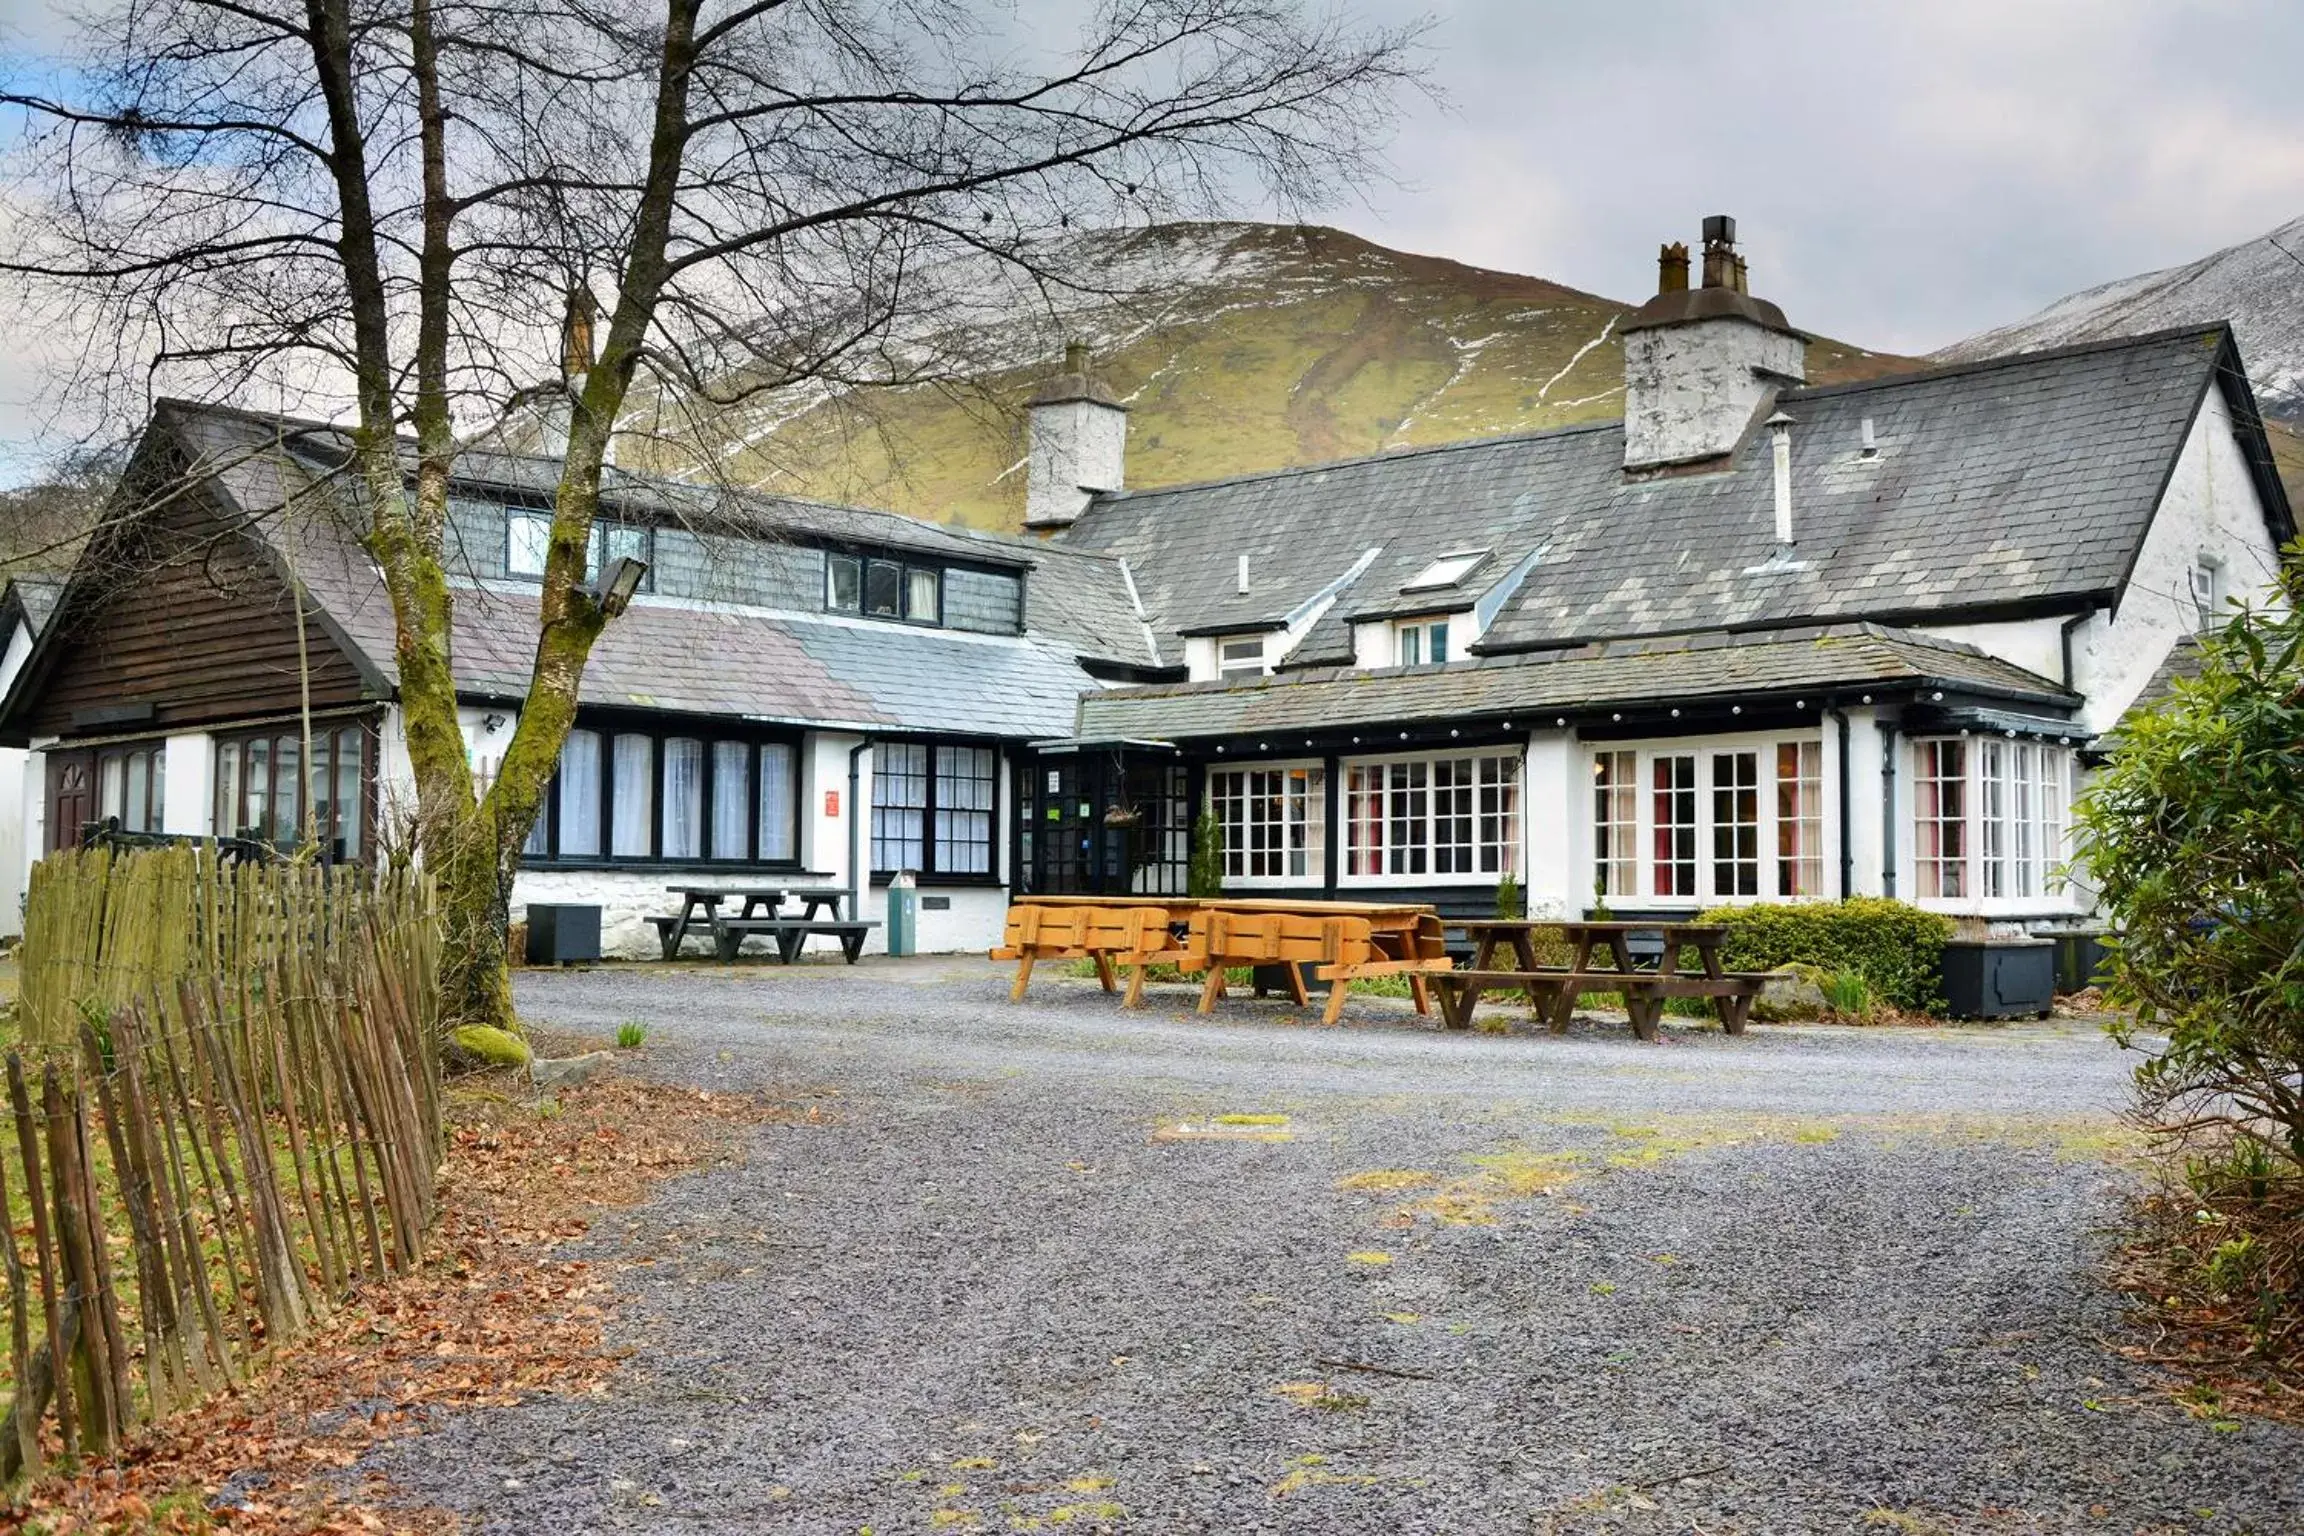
(1554, 990)
(790, 933)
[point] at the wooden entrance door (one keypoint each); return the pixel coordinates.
(71, 797)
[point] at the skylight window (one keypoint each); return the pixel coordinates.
(1447, 570)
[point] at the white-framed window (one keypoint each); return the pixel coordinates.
(1240, 656)
(1445, 818)
(1988, 819)
(2208, 589)
(1275, 821)
(1616, 823)
(1689, 823)
(1420, 642)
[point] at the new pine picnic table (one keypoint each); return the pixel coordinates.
(1553, 990)
(1344, 940)
(761, 914)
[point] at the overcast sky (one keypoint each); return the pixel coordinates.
(1903, 172)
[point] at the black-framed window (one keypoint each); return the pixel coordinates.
(673, 796)
(263, 787)
(528, 538)
(884, 589)
(935, 809)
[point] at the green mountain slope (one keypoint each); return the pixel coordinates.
(1238, 347)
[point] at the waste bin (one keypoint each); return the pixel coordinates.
(563, 935)
(2081, 959)
(903, 915)
(2004, 979)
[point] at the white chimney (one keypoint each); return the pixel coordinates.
(1079, 444)
(1700, 363)
(1780, 431)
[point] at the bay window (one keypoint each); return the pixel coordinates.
(1274, 818)
(1446, 818)
(934, 808)
(682, 799)
(264, 789)
(1731, 821)
(1988, 818)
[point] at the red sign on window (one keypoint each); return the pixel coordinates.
(831, 802)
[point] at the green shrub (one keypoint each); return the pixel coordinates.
(1847, 993)
(1896, 950)
(1204, 875)
(1511, 900)
(630, 1035)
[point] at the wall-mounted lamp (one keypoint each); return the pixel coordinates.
(491, 722)
(614, 590)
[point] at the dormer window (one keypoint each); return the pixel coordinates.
(2207, 590)
(528, 539)
(1446, 571)
(1420, 642)
(1240, 656)
(883, 589)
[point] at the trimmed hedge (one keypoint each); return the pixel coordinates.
(1897, 948)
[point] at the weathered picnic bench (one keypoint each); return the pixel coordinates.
(1553, 990)
(1343, 941)
(760, 916)
(1124, 932)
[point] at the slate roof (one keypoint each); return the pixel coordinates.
(2019, 481)
(36, 596)
(1624, 674)
(2182, 661)
(708, 659)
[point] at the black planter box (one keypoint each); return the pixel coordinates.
(2009, 979)
(2081, 959)
(563, 935)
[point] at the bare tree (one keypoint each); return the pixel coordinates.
(384, 209)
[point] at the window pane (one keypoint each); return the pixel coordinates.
(320, 791)
(779, 803)
(1616, 823)
(1499, 828)
(1411, 646)
(899, 806)
(635, 791)
(112, 787)
(580, 795)
(529, 541)
(683, 798)
(227, 789)
(843, 583)
(1438, 642)
(258, 809)
(136, 792)
(1799, 818)
(1940, 817)
(966, 780)
(1674, 837)
(287, 779)
(619, 541)
(883, 588)
(1735, 823)
(731, 800)
(923, 596)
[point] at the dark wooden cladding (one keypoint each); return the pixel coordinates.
(194, 619)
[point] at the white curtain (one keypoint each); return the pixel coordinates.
(580, 795)
(683, 798)
(779, 803)
(731, 800)
(635, 798)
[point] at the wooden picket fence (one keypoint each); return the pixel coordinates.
(226, 1113)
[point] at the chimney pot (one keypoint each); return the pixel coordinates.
(1672, 268)
(1075, 357)
(1871, 442)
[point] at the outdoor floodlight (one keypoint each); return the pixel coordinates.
(613, 591)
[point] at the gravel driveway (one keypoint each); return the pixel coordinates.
(1810, 1280)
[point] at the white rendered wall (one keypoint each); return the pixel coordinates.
(188, 805)
(13, 657)
(1692, 388)
(1078, 447)
(15, 866)
(2211, 509)
(34, 798)
(1556, 824)
(2037, 645)
(1867, 852)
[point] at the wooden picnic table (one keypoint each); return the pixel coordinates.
(673, 931)
(1343, 940)
(1553, 990)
